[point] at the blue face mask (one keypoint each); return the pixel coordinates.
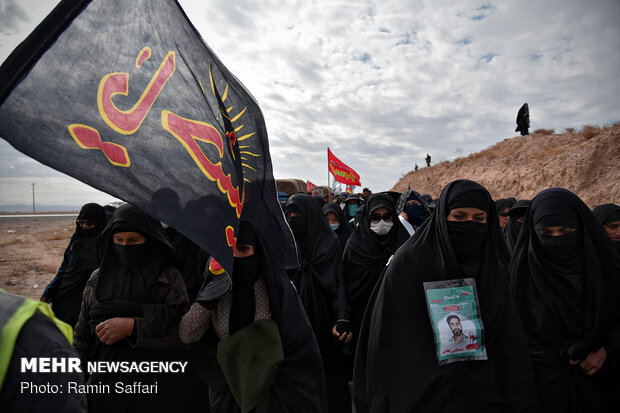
(352, 208)
(335, 226)
(415, 214)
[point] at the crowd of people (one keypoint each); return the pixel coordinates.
(400, 303)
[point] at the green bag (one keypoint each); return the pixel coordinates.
(250, 359)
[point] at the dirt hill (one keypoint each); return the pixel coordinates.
(586, 162)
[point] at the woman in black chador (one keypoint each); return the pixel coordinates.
(609, 217)
(374, 240)
(130, 312)
(564, 278)
(397, 361)
(523, 120)
(318, 281)
(80, 260)
(267, 356)
(516, 215)
(335, 217)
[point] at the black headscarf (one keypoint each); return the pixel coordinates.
(94, 213)
(603, 212)
(607, 214)
(123, 288)
(352, 197)
(502, 204)
(344, 230)
(422, 211)
(513, 227)
(566, 291)
(396, 368)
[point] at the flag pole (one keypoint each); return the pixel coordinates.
(329, 197)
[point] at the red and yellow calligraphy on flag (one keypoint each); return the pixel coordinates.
(131, 118)
(341, 172)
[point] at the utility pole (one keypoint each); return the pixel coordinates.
(33, 184)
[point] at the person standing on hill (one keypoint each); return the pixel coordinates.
(523, 120)
(428, 160)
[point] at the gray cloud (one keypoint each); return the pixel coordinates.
(384, 83)
(11, 15)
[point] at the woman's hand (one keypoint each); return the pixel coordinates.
(345, 337)
(593, 363)
(114, 329)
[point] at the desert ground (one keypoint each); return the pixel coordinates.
(31, 250)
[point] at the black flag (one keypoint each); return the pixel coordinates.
(127, 97)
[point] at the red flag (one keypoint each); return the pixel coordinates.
(341, 172)
(310, 186)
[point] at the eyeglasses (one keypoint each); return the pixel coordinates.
(503, 215)
(82, 222)
(387, 217)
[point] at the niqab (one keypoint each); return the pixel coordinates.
(117, 279)
(246, 272)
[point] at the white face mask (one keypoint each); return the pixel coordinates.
(381, 227)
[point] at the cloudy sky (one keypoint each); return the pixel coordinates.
(382, 83)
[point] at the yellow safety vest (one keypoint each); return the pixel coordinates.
(15, 311)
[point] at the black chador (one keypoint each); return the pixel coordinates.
(564, 277)
(366, 254)
(67, 297)
(397, 365)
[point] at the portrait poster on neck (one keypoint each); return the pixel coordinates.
(454, 314)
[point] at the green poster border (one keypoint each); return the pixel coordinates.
(459, 283)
